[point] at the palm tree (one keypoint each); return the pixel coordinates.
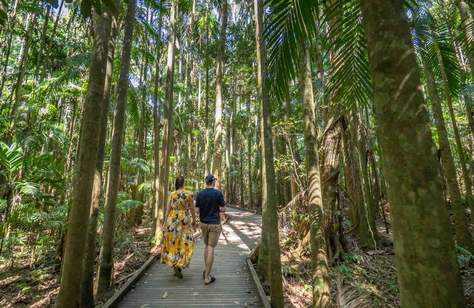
(320, 281)
(219, 125)
(87, 288)
(76, 238)
(269, 262)
(168, 125)
(419, 212)
(408, 153)
(104, 273)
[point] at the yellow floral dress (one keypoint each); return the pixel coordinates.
(178, 242)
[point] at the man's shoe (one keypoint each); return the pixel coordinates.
(210, 281)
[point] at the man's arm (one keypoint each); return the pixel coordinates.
(196, 208)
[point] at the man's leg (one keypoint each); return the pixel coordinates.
(205, 260)
(209, 261)
(205, 238)
(212, 239)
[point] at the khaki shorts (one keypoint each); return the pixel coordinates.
(210, 234)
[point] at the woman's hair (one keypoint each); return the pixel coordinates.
(179, 183)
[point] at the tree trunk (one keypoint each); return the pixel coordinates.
(16, 94)
(76, 238)
(353, 181)
(368, 236)
(157, 210)
(269, 262)
(463, 236)
(168, 125)
(249, 157)
(420, 219)
(106, 264)
(457, 137)
(206, 114)
(329, 165)
(87, 289)
(319, 253)
(219, 125)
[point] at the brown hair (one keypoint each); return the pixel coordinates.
(179, 182)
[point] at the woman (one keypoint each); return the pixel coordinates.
(178, 240)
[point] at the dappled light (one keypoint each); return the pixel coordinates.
(261, 153)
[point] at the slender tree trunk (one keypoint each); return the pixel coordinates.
(168, 125)
(420, 219)
(76, 238)
(319, 253)
(219, 125)
(16, 94)
(462, 232)
(353, 180)
(249, 157)
(368, 236)
(157, 210)
(10, 24)
(106, 264)
(87, 289)
(458, 142)
(269, 262)
(206, 115)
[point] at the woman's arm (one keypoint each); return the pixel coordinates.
(168, 210)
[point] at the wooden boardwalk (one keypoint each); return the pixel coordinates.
(234, 286)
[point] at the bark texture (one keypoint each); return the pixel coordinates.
(105, 271)
(76, 238)
(270, 263)
(319, 255)
(424, 249)
(217, 168)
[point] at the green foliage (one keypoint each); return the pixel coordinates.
(11, 160)
(464, 257)
(349, 83)
(290, 25)
(3, 12)
(98, 5)
(126, 206)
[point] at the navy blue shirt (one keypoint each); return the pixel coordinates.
(209, 201)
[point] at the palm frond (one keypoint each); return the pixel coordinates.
(349, 82)
(289, 24)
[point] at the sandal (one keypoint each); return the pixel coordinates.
(210, 281)
(177, 273)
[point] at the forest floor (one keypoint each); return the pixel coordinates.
(24, 283)
(365, 278)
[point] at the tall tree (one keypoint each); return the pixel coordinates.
(87, 288)
(462, 233)
(269, 261)
(419, 214)
(157, 210)
(319, 255)
(217, 167)
(168, 125)
(76, 238)
(105, 271)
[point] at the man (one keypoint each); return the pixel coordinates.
(210, 204)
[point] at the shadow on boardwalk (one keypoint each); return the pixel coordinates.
(234, 286)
